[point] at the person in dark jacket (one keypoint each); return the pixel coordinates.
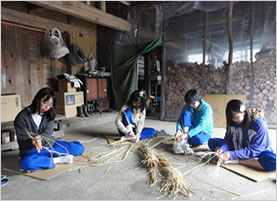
(34, 130)
(246, 139)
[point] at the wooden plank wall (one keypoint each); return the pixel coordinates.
(23, 69)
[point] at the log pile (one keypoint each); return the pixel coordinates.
(207, 79)
(260, 89)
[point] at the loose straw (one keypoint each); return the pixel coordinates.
(198, 166)
(88, 141)
(217, 168)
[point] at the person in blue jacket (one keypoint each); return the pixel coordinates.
(38, 148)
(195, 123)
(246, 139)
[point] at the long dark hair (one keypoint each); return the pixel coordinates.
(233, 107)
(137, 96)
(191, 96)
(47, 93)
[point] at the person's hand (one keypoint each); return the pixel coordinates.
(226, 156)
(181, 136)
(37, 142)
(178, 135)
(138, 135)
(131, 134)
(219, 152)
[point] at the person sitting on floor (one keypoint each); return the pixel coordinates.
(194, 125)
(246, 139)
(130, 119)
(34, 130)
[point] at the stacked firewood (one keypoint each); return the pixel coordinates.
(207, 79)
(257, 82)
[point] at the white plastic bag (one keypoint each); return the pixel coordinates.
(53, 45)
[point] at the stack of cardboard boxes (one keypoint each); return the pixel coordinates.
(68, 99)
(10, 107)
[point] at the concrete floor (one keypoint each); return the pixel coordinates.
(124, 180)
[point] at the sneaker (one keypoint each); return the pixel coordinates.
(22, 170)
(185, 146)
(66, 159)
(4, 181)
(162, 133)
(177, 148)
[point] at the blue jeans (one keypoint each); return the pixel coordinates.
(127, 119)
(32, 160)
(267, 159)
(199, 138)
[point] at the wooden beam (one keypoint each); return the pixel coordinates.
(23, 19)
(85, 12)
(125, 3)
(103, 6)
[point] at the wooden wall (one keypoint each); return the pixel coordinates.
(23, 69)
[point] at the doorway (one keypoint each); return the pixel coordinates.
(149, 80)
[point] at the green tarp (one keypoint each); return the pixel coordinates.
(123, 70)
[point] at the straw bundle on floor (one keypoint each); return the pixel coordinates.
(149, 160)
(173, 183)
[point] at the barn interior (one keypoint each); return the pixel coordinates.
(108, 49)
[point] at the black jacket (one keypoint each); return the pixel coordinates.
(23, 122)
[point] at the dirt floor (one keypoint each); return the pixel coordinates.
(126, 179)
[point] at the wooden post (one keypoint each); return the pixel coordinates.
(163, 83)
(147, 74)
(251, 30)
(103, 6)
(205, 38)
(205, 32)
(251, 70)
(230, 59)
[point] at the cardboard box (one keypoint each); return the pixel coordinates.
(67, 103)
(10, 107)
(66, 86)
(218, 104)
(5, 137)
